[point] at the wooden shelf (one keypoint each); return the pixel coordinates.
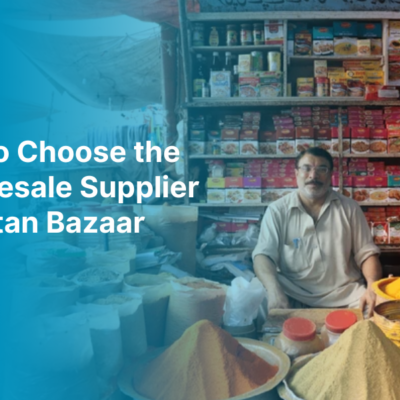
(336, 58)
(372, 155)
(389, 248)
(228, 205)
(291, 15)
(286, 101)
(234, 157)
(235, 49)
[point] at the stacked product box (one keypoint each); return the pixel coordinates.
(384, 224)
(250, 182)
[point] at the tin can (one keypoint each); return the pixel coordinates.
(246, 35)
(258, 34)
(231, 35)
(198, 35)
(274, 61)
(257, 61)
(322, 85)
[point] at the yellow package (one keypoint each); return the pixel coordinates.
(346, 46)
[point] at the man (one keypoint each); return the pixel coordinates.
(315, 245)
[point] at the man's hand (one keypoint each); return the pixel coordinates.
(277, 299)
(368, 299)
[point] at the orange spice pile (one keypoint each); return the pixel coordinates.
(206, 363)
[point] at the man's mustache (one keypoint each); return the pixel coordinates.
(314, 182)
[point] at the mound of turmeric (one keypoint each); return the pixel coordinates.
(206, 363)
(393, 289)
(362, 364)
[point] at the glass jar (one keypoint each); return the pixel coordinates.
(198, 35)
(213, 39)
(246, 35)
(299, 337)
(231, 35)
(258, 34)
(336, 323)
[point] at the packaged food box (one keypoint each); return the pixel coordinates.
(376, 47)
(303, 144)
(322, 47)
(394, 28)
(229, 134)
(360, 195)
(267, 136)
(290, 48)
(345, 46)
(216, 183)
(220, 84)
(249, 84)
(380, 232)
(394, 232)
(304, 133)
(323, 144)
(378, 146)
(197, 147)
(320, 68)
(362, 65)
(394, 180)
(249, 147)
(267, 148)
(305, 87)
(355, 88)
(379, 195)
(229, 147)
(248, 134)
(244, 63)
(345, 28)
(233, 182)
(252, 182)
(270, 84)
(234, 196)
(394, 45)
(364, 47)
(378, 181)
(234, 171)
(214, 135)
(252, 196)
(271, 195)
(285, 133)
(303, 44)
(273, 32)
(285, 147)
(338, 88)
(360, 146)
(215, 195)
(369, 29)
(294, 27)
(348, 192)
(322, 33)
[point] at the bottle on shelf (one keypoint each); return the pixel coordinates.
(199, 77)
(216, 64)
(228, 62)
(213, 39)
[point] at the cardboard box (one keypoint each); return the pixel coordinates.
(304, 133)
(244, 63)
(273, 32)
(369, 29)
(282, 133)
(344, 28)
(197, 147)
(320, 68)
(230, 134)
(248, 134)
(216, 183)
(285, 147)
(322, 33)
(393, 180)
(252, 196)
(305, 87)
(249, 147)
(234, 196)
(345, 46)
(303, 144)
(229, 147)
(254, 182)
(267, 148)
(220, 84)
(364, 47)
(323, 47)
(378, 146)
(378, 181)
(360, 195)
(216, 196)
(303, 44)
(323, 144)
(380, 195)
(249, 84)
(233, 182)
(394, 145)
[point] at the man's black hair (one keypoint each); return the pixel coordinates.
(316, 152)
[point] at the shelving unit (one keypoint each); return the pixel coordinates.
(200, 106)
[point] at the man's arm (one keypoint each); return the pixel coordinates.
(372, 271)
(266, 272)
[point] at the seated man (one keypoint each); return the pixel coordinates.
(315, 246)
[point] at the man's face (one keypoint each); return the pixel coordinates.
(313, 176)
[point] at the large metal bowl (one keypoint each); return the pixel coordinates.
(269, 353)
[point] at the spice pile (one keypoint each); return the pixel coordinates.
(206, 363)
(363, 364)
(393, 289)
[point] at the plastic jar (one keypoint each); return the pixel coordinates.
(336, 323)
(258, 34)
(246, 35)
(299, 337)
(231, 35)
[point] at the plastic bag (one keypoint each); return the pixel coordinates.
(243, 299)
(209, 234)
(236, 257)
(249, 239)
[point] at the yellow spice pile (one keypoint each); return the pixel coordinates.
(393, 289)
(362, 365)
(206, 363)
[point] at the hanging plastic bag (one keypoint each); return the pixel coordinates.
(156, 291)
(243, 299)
